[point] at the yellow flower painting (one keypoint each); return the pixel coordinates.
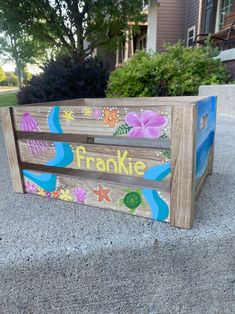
(68, 116)
(65, 195)
(87, 112)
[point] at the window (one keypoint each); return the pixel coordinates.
(191, 36)
(225, 9)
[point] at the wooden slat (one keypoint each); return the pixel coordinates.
(200, 184)
(115, 193)
(83, 124)
(88, 154)
(212, 152)
(100, 176)
(183, 165)
(12, 149)
(134, 101)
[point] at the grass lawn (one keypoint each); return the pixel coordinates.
(7, 99)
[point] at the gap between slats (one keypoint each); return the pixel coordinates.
(100, 140)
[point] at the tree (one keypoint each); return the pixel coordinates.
(68, 24)
(15, 42)
(12, 79)
(2, 75)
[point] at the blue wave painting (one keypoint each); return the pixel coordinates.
(63, 156)
(159, 208)
(205, 136)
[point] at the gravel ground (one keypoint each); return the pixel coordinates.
(58, 257)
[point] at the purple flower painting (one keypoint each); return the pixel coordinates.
(29, 124)
(148, 124)
(97, 113)
(30, 187)
(80, 195)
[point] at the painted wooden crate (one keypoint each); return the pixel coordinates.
(145, 156)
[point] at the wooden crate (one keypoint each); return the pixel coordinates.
(145, 156)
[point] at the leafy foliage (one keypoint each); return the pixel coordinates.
(66, 78)
(67, 24)
(2, 75)
(177, 71)
(15, 42)
(10, 80)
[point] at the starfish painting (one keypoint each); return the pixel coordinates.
(102, 193)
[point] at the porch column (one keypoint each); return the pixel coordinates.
(152, 25)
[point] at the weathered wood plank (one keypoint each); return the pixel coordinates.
(95, 120)
(130, 102)
(12, 149)
(200, 184)
(132, 161)
(101, 194)
(183, 164)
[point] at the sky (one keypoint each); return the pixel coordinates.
(10, 67)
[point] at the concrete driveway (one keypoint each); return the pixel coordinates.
(59, 257)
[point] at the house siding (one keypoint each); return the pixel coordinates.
(170, 22)
(192, 13)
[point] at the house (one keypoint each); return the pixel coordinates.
(169, 21)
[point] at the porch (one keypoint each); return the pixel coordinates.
(217, 24)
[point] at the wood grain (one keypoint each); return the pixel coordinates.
(83, 124)
(12, 150)
(115, 191)
(134, 101)
(200, 184)
(183, 165)
(148, 156)
(100, 176)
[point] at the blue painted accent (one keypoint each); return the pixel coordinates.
(63, 157)
(160, 209)
(205, 137)
(46, 181)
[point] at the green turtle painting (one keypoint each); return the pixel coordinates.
(132, 200)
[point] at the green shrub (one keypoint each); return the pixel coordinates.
(177, 71)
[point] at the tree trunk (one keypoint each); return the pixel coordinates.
(19, 71)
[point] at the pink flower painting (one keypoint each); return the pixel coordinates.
(148, 124)
(80, 195)
(29, 124)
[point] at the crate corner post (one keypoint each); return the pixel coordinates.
(183, 165)
(12, 149)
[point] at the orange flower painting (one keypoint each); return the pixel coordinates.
(56, 194)
(110, 117)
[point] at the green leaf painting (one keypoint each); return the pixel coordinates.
(122, 129)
